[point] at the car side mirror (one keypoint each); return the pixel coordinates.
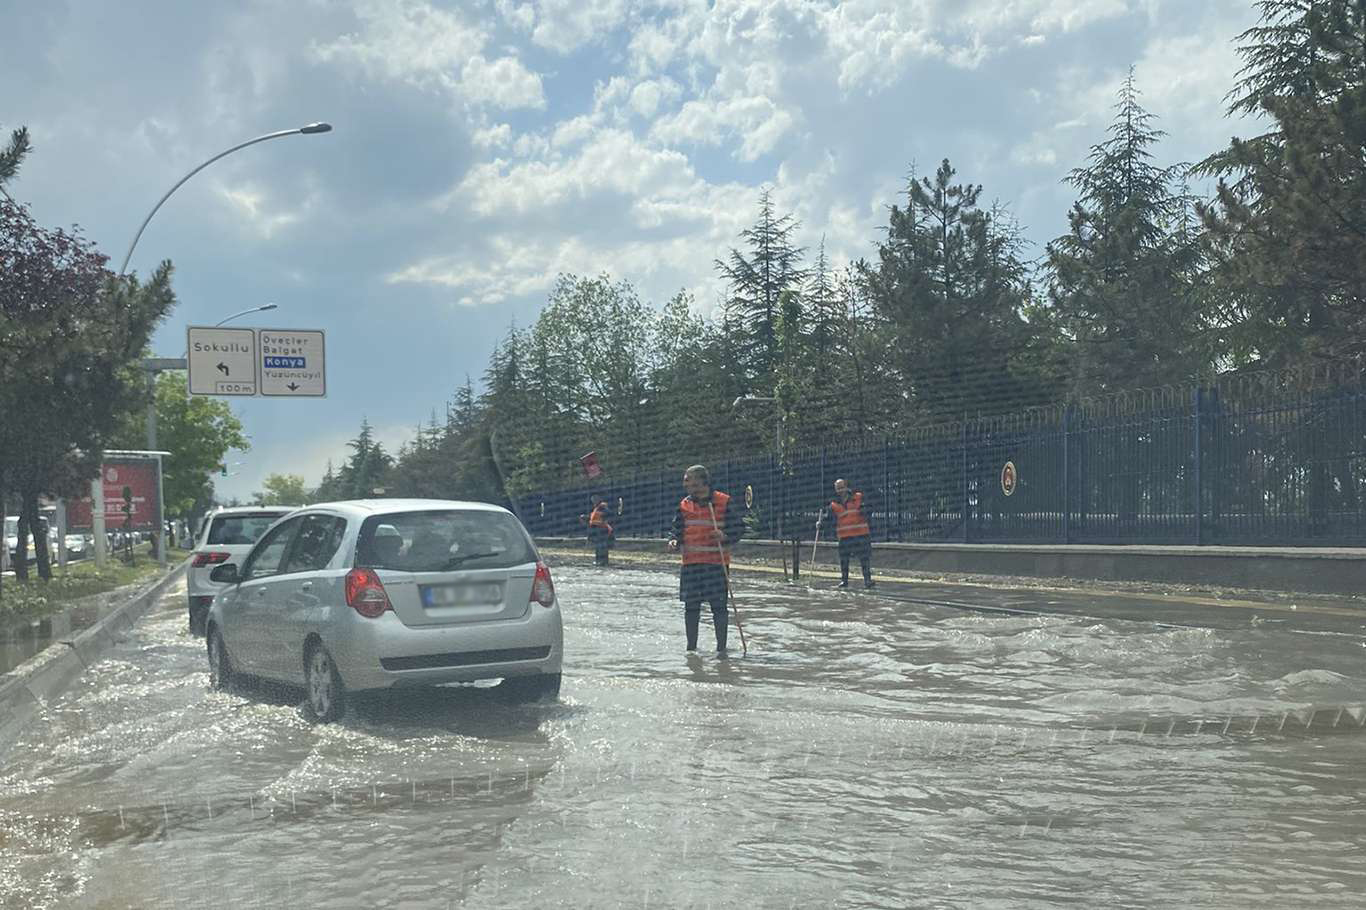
(226, 574)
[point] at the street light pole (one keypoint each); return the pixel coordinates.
(308, 130)
(153, 367)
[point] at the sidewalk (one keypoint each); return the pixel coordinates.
(1165, 605)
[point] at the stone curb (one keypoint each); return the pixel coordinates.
(27, 690)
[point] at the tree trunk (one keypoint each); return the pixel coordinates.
(35, 523)
(20, 555)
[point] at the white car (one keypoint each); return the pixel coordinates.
(386, 593)
(225, 537)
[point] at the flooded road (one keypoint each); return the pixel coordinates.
(867, 753)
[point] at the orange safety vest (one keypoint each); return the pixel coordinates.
(700, 546)
(849, 520)
(599, 518)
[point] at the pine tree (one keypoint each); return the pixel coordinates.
(13, 154)
(950, 286)
(1121, 278)
(1289, 224)
(756, 279)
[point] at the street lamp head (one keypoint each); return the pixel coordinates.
(316, 128)
(269, 306)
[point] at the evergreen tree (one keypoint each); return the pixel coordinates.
(12, 155)
(1121, 278)
(756, 278)
(950, 285)
(368, 467)
(1289, 223)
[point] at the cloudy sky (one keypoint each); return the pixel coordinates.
(482, 147)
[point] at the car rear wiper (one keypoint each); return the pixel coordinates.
(458, 560)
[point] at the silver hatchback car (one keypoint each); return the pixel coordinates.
(353, 596)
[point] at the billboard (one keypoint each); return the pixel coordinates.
(137, 477)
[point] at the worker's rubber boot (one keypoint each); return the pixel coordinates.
(721, 619)
(691, 620)
(867, 575)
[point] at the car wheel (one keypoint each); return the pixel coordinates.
(197, 620)
(326, 694)
(220, 665)
(543, 687)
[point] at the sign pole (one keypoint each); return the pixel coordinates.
(61, 533)
(161, 516)
(97, 519)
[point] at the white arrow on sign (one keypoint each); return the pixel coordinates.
(221, 361)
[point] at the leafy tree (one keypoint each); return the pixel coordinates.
(283, 490)
(69, 335)
(198, 432)
(1123, 279)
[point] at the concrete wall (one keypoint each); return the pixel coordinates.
(1292, 569)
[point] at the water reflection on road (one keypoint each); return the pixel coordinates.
(867, 753)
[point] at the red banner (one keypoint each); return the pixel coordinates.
(139, 478)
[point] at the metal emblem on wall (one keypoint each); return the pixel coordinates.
(1009, 478)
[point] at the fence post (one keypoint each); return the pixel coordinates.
(887, 495)
(821, 490)
(1199, 485)
(967, 533)
(1066, 473)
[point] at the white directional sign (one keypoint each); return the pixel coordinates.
(293, 363)
(221, 361)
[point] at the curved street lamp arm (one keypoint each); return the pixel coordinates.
(276, 135)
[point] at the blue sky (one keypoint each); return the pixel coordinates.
(483, 147)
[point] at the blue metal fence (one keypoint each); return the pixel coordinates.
(1194, 466)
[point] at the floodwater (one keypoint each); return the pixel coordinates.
(867, 753)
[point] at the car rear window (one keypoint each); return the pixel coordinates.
(437, 541)
(230, 530)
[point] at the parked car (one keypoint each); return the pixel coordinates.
(354, 596)
(226, 536)
(78, 546)
(12, 541)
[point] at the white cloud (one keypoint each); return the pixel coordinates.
(503, 83)
(756, 121)
(251, 206)
(647, 97)
(414, 42)
(493, 137)
(565, 25)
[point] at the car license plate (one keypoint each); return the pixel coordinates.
(462, 595)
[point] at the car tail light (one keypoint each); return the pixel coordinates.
(365, 594)
(210, 559)
(543, 589)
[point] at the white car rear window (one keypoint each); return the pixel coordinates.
(230, 530)
(434, 541)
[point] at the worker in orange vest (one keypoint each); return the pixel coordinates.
(705, 528)
(599, 530)
(851, 527)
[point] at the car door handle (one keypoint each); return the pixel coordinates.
(260, 592)
(306, 586)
